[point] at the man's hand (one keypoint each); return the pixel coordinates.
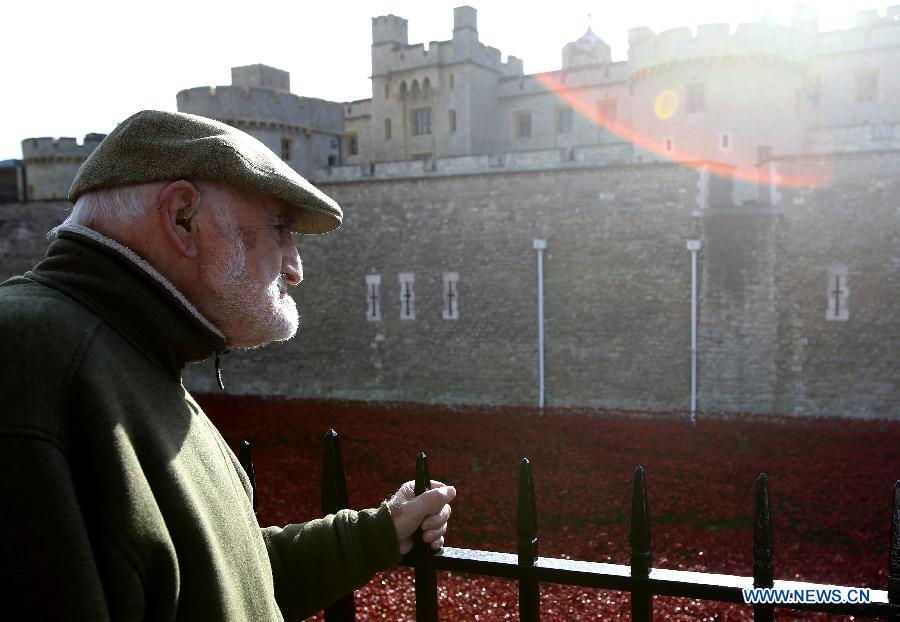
(430, 511)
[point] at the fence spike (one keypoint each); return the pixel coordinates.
(426, 575)
(894, 553)
(640, 527)
(334, 482)
(763, 564)
(526, 531)
(247, 463)
(763, 568)
(641, 558)
(335, 498)
(423, 479)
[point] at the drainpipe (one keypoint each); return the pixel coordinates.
(694, 246)
(539, 246)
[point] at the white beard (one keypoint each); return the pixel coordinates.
(258, 314)
(248, 313)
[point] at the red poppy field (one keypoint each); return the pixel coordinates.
(830, 484)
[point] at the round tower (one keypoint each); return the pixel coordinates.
(51, 164)
(734, 98)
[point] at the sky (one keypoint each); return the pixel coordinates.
(70, 68)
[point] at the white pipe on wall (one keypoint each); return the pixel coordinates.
(539, 246)
(694, 246)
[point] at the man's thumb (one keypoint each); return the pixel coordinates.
(430, 502)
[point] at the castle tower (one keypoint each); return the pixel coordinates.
(432, 101)
(732, 98)
(307, 133)
(51, 164)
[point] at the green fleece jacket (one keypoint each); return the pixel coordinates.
(118, 497)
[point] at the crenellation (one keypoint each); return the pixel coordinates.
(390, 29)
(63, 148)
(460, 97)
(885, 32)
(712, 30)
(757, 40)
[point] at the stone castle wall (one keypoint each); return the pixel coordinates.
(617, 291)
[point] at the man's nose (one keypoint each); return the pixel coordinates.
(292, 267)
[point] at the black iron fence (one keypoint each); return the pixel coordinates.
(640, 578)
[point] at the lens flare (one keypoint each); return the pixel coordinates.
(666, 104)
(743, 171)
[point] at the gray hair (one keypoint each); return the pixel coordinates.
(125, 204)
(128, 203)
(230, 231)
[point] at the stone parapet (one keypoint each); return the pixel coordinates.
(539, 160)
(648, 51)
(64, 149)
(261, 105)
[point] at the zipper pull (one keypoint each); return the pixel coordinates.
(219, 354)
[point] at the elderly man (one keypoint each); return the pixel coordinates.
(120, 500)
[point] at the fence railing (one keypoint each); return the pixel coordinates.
(639, 578)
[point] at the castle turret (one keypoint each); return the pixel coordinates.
(389, 29)
(51, 163)
(465, 23)
(589, 49)
(711, 96)
(262, 77)
(306, 132)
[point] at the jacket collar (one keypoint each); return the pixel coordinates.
(136, 300)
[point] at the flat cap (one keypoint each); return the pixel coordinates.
(158, 146)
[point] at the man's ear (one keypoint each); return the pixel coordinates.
(178, 206)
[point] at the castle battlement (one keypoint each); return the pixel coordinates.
(358, 108)
(463, 47)
(713, 41)
(59, 149)
(872, 30)
(269, 105)
(390, 29)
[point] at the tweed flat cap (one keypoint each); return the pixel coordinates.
(158, 146)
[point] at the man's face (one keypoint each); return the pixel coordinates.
(249, 261)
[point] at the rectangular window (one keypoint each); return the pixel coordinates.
(451, 295)
(522, 123)
(285, 149)
(407, 296)
(725, 141)
(387, 129)
(387, 90)
(837, 294)
(565, 120)
(867, 84)
(452, 82)
(695, 99)
(421, 121)
(608, 111)
(451, 121)
(352, 145)
(373, 297)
